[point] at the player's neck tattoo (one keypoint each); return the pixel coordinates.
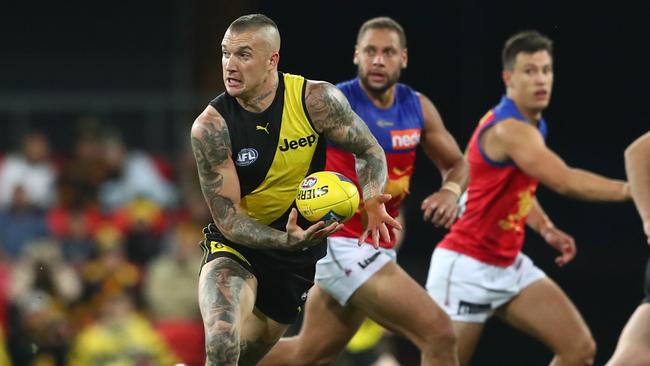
(261, 102)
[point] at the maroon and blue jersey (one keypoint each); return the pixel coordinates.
(499, 198)
(397, 129)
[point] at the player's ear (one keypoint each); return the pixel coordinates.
(275, 59)
(405, 58)
(355, 58)
(507, 77)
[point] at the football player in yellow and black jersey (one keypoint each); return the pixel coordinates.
(253, 146)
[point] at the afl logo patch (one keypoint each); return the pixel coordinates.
(246, 157)
(309, 182)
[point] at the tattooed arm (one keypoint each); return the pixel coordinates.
(332, 116)
(220, 186)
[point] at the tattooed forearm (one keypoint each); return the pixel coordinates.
(212, 150)
(240, 228)
(220, 296)
(332, 115)
(371, 185)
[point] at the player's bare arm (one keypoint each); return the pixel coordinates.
(637, 167)
(332, 116)
(220, 185)
(524, 144)
(538, 220)
(442, 206)
(564, 243)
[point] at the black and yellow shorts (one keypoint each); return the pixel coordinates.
(282, 285)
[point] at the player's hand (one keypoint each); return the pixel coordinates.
(378, 218)
(441, 208)
(562, 242)
(313, 235)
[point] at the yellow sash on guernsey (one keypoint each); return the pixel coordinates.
(295, 149)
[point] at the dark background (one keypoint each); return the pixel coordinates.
(148, 68)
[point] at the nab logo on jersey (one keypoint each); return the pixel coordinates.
(295, 144)
(246, 157)
(405, 139)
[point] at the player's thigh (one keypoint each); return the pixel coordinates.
(634, 344)
(226, 293)
(392, 298)
(545, 312)
(226, 299)
(326, 329)
(637, 329)
(327, 326)
(467, 335)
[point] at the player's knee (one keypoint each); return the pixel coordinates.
(313, 359)
(221, 347)
(587, 350)
(439, 336)
(304, 354)
(318, 356)
(322, 360)
(444, 341)
(581, 352)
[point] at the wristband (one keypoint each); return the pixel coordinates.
(452, 187)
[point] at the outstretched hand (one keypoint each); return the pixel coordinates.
(303, 238)
(378, 219)
(441, 208)
(562, 242)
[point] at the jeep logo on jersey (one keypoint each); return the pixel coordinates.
(405, 139)
(309, 182)
(295, 144)
(246, 157)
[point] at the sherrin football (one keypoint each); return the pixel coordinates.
(327, 196)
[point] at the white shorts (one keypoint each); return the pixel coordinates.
(470, 290)
(347, 266)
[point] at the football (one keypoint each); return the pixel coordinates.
(327, 196)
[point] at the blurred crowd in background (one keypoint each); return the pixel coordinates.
(99, 255)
